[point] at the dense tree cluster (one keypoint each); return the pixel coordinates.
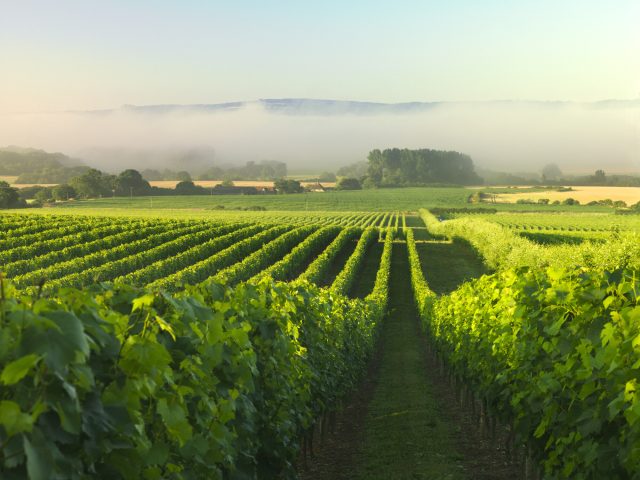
(94, 183)
(130, 182)
(9, 197)
(284, 185)
(404, 167)
(600, 178)
(552, 175)
(327, 177)
(348, 183)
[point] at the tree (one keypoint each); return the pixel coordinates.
(93, 184)
(130, 182)
(376, 166)
(284, 185)
(44, 196)
(327, 177)
(189, 188)
(227, 183)
(183, 176)
(368, 182)
(600, 178)
(348, 184)
(27, 193)
(63, 192)
(551, 172)
(9, 197)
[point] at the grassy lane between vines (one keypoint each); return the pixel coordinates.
(449, 264)
(405, 420)
(367, 275)
(338, 263)
(406, 434)
(413, 220)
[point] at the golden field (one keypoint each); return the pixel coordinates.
(629, 195)
(12, 179)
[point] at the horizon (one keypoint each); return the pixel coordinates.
(319, 99)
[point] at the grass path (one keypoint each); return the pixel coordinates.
(404, 422)
(448, 264)
(406, 436)
(337, 264)
(367, 275)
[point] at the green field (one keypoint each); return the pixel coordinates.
(357, 201)
(171, 338)
(379, 200)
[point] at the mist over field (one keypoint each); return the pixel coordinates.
(314, 135)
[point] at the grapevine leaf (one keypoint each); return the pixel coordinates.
(175, 420)
(39, 458)
(15, 371)
(165, 327)
(13, 419)
(143, 301)
(59, 346)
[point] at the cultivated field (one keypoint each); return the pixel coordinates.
(197, 341)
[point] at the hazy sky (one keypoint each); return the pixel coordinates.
(86, 54)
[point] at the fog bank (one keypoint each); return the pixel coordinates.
(316, 135)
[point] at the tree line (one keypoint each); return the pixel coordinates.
(552, 175)
(129, 183)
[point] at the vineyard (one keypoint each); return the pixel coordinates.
(171, 253)
(225, 346)
(553, 222)
(319, 240)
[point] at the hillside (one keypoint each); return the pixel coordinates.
(37, 166)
